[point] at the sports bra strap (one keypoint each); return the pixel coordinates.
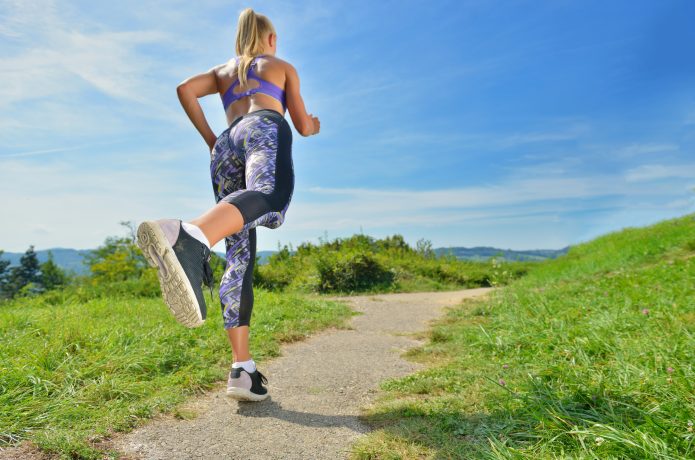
(264, 86)
(238, 58)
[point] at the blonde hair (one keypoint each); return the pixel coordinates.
(252, 29)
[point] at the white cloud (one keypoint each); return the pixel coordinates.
(513, 198)
(54, 62)
(569, 133)
(645, 149)
(487, 141)
(61, 203)
(66, 149)
(84, 207)
(653, 172)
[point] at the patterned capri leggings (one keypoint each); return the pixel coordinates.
(251, 168)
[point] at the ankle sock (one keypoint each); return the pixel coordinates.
(196, 233)
(249, 366)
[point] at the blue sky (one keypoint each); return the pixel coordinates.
(516, 124)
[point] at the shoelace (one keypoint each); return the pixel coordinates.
(263, 379)
(208, 276)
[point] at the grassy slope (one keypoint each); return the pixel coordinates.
(72, 371)
(589, 356)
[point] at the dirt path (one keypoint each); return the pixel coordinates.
(317, 388)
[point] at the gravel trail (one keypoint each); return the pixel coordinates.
(317, 388)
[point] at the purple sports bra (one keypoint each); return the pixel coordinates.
(265, 87)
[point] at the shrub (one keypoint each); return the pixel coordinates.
(275, 275)
(395, 242)
(351, 272)
(118, 259)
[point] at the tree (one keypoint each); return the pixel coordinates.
(28, 269)
(52, 276)
(424, 248)
(25, 274)
(118, 259)
(396, 242)
(4, 274)
(3, 264)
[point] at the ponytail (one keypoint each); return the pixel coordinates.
(252, 29)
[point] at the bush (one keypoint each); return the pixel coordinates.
(351, 272)
(118, 259)
(118, 267)
(394, 243)
(360, 263)
(275, 275)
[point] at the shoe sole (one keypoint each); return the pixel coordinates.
(242, 394)
(176, 288)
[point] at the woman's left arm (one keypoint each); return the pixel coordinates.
(189, 91)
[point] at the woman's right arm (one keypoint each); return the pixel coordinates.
(189, 91)
(305, 123)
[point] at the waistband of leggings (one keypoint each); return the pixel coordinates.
(274, 114)
(265, 112)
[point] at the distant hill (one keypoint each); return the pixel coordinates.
(263, 256)
(72, 260)
(485, 253)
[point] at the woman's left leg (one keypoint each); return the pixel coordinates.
(236, 286)
(264, 142)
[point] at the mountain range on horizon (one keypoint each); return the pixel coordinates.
(72, 260)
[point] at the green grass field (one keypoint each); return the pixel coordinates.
(588, 356)
(103, 353)
(73, 370)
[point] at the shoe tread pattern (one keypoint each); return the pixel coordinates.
(176, 289)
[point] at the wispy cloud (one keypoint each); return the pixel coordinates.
(62, 57)
(648, 148)
(512, 197)
(654, 172)
(73, 148)
(571, 132)
(67, 197)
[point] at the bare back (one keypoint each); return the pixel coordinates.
(269, 68)
(277, 73)
(273, 70)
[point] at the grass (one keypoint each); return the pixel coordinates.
(102, 354)
(73, 371)
(591, 355)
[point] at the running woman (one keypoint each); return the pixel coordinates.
(253, 180)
